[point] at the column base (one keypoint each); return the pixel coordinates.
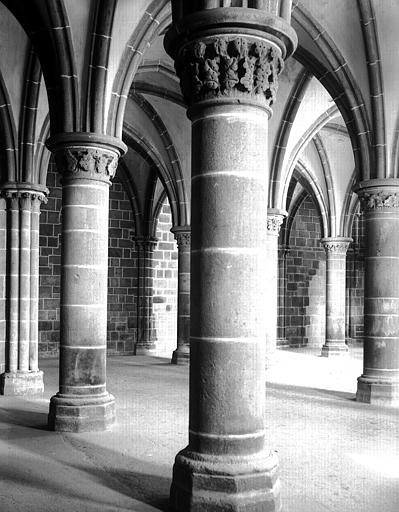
(21, 383)
(215, 483)
(334, 350)
(377, 391)
(181, 355)
(282, 342)
(72, 413)
(148, 349)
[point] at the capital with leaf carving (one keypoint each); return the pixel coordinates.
(229, 54)
(86, 155)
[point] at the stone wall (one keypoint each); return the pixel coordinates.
(305, 279)
(355, 283)
(165, 284)
(122, 271)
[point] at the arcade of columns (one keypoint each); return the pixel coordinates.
(228, 61)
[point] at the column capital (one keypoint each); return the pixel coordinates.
(86, 155)
(229, 54)
(32, 191)
(378, 194)
(336, 245)
(182, 236)
(275, 219)
(145, 243)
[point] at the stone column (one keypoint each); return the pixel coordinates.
(228, 62)
(3, 272)
(182, 353)
(335, 248)
(146, 325)
(87, 162)
(22, 375)
(379, 383)
(275, 219)
(282, 284)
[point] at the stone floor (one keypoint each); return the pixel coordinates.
(335, 454)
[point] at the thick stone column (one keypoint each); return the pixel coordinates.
(87, 163)
(275, 219)
(22, 375)
(3, 272)
(146, 324)
(228, 62)
(335, 248)
(182, 353)
(379, 383)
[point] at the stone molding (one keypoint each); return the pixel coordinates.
(20, 196)
(182, 237)
(377, 200)
(274, 223)
(229, 67)
(87, 162)
(146, 244)
(86, 155)
(336, 245)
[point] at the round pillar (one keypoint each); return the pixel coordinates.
(182, 353)
(3, 273)
(336, 248)
(146, 325)
(379, 383)
(22, 375)
(275, 219)
(282, 283)
(87, 163)
(228, 70)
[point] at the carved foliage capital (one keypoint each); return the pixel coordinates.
(87, 162)
(183, 239)
(335, 246)
(378, 199)
(274, 223)
(23, 198)
(229, 66)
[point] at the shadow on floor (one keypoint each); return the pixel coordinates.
(28, 444)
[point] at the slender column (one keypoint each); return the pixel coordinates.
(335, 295)
(34, 283)
(379, 383)
(87, 163)
(229, 79)
(282, 284)
(146, 332)
(274, 221)
(20, 377)
(182, 353)
(3, 271)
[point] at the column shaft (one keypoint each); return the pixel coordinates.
(282, 283)
(34, 285)
(13, 296)
(336, 249)
(229, 79)
(274, 221)
(87, 163)
(182, 353)
(379, 383)
(146, 322)
(20, 377)
(3, 271)
(24, 283)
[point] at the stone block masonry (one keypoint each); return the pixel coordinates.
(165, 284)
(305, 279)
(122, 271)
